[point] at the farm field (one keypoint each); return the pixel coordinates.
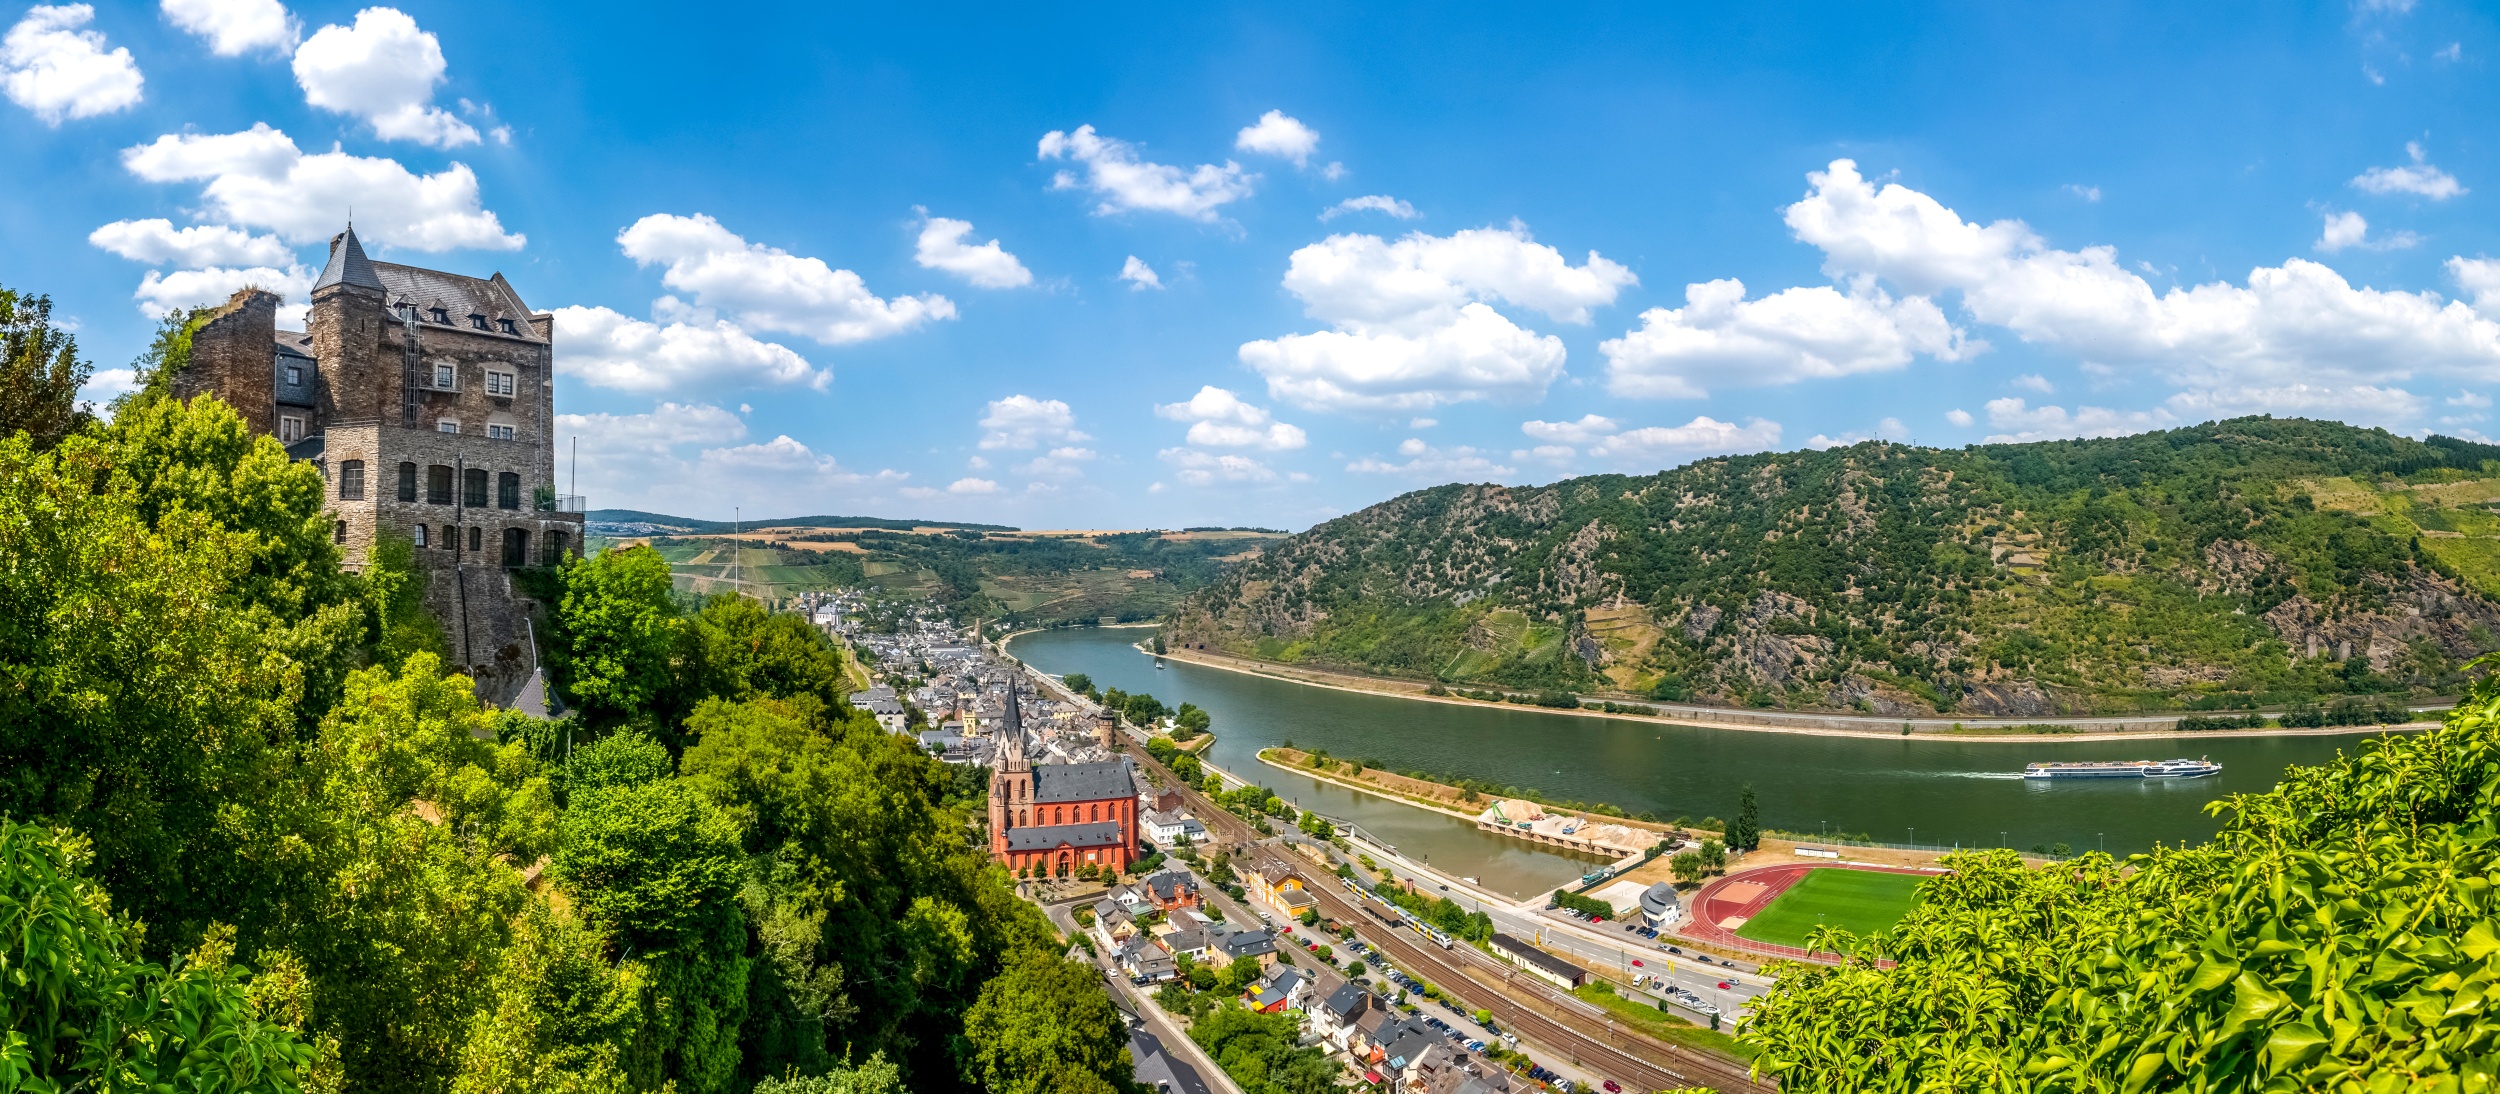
(1863, 901)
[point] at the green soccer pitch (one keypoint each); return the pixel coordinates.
(1859, 900)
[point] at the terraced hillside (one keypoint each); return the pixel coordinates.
(1022, 577)
(2228, 565)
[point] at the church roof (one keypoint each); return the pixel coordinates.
(348, 264)
(1081, 782)
(1043, 837)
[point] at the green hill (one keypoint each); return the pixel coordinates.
(716, 527)
(2222, 566)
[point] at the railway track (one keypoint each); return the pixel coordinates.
(1645, 1062)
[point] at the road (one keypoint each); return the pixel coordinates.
(1558, 1024)
(1189, 1062)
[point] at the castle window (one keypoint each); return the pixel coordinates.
(441, 315)
(475, 533)
(506, 326)
(417, 535)
(499, 432)
(294, 375)
(473, 488)
(451, 537)
(516, 547)
(438, 485)
(478, 320)
(352, 480)
(407, 482)
(508, 491)
(446, 378)
(447, 425)
(290, 430)
(340, 536)
(555, 548)
(498, 383)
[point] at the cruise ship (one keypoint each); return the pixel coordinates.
(2123, 769)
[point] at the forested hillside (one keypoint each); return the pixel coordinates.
(254, 837)
(2226, 565)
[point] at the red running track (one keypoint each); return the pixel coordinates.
(1747, 893)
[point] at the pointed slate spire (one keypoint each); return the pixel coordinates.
(348, 264)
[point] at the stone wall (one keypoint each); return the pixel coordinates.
(233, 356)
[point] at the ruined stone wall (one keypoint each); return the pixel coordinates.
(233, 356)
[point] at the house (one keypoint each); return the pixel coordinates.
(1113, 924)
(1141, 958)
(1661, 907)
(1155, 1069)
(1538, 962)
(1445, 1068)
(1168, 801)
(1193, 943)
(1284, 989)
(1399, 1042)
(1172, 890)
(1172, 829)
(1252, 944)
(1339, 1019)
(1282, 891)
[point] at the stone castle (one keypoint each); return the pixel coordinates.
(428, 401)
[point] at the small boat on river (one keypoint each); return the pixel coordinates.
(2123, 769)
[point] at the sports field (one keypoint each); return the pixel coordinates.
(1864, 901)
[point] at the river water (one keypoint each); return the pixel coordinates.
(1927, 791)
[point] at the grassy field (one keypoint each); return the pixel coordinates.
(1661, 1025)
(1860, 900)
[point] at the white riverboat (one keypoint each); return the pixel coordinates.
(2123, 769)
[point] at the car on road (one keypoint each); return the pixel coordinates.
(1670, 949)
(1613, 1087)
(1723, 985)
(1636, 963)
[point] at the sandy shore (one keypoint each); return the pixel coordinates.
(2156, 727)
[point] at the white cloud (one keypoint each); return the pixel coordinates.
(235, 27)
(1220, 419)
(767, 288)
(972, 486)
(608, 349)
(1412, 326)
(1589, 428)
(2360, 403)
(1125, 182)
(1376, 203)
(1024, 422)
(1720, 339)
(989, 266)
(164, 293)
(1140, 277)
(2451, 52)
(684, 458)
(2350, 230)
(1422, 423)
(2035, 382)
(2475, 400)
(2300, 322)
(1195, 468)
(259, 179)
(1703, 436)
(2087, 193)
(2418, 178)
(1424, 461)
(1959, 417)
(105, 385)
(1275, 134)
(2020, 422)
(2480, 278)
(157, 242)
(56, 70)
(1064, 462)
(383, 70)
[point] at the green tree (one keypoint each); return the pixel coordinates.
(620, 647)
(40, 372)
(745, 651)
(1688, 867)
(1745, 832)
(560, 1016)
(871, 1076)
(1261, 1052)
(1044, 1026)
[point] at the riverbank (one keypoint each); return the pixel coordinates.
(1988, 731)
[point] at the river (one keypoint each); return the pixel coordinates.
(1927, 791)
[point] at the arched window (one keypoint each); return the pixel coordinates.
(341, 535)
(476, 537)
(508, 491)
(516, 547)
(1097, 812)
(451, 537)
(438, 485)
(1024, 817)
(407, 482)
(473, 488)
(417, 535)
(351, 480)
(555, 548)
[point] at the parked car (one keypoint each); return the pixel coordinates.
(1636, 963)
(1612, 1087)
(1670, 949)
(1631, 926)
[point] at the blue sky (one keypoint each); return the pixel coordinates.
(1264, 265)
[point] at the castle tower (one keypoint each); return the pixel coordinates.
(1107, 729)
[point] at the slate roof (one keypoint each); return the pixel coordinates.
(1348, 1002)
(1170, 883)
(289, 353)
(1081, 782)
(1248, 944)
(348, 264)
(1080, 836)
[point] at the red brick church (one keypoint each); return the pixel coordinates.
(1054, 817)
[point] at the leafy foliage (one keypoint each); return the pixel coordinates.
(2339, 934)
(1044, 1027)
(40, 372)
